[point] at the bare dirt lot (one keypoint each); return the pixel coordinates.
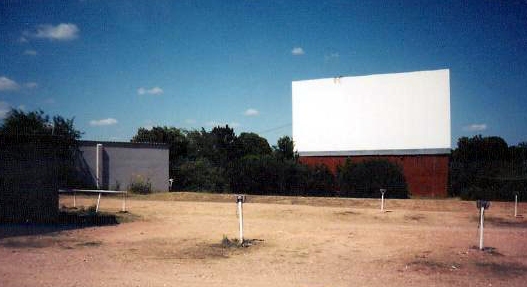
(175, 240)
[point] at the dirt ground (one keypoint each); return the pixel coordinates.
(175, 240)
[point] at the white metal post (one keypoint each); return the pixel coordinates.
(382, 202)
(98, 200)
(515, 205)
(98, 167)
(124, 201)
(240, 213)
(481, 228)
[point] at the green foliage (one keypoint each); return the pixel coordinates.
(366, 178)
(268, 175)
(140, 185)
(55, 139)
(486, 168)
(223, 145)
(285, 149)
(320, 181)
(200, 144)
(255, 175)
(174, 137)
(199, 175)
(252, 144)
(34, 125)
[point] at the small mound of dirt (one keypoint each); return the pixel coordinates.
(165, 249)
(90, 243)
(414, 217)
(488, 250)
(235, 243)
(348, 212)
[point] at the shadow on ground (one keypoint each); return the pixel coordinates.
(68, 219)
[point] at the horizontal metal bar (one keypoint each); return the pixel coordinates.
(91, 191)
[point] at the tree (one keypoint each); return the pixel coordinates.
(481, 148)
(224, 145)
(284, 150)
(20, 123)
(252, 144)
(200, 144)
(174, 137)
(33, 136)
(486, 168)
(37, 125)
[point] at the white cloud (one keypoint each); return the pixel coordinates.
(61, 32)
(152, 91)
(103, 122)
(251, 112)
(5, 108)
(190, 121)
(23, 39)
(22, 107)
(475, 127)
(213, 124)
(7, 84)
(30, 52)
(31, 85)
(297, 51)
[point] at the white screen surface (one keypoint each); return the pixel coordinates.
(403, 111)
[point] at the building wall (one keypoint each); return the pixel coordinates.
(426, 175)
(123, 163)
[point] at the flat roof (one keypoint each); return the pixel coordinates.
(124, 144)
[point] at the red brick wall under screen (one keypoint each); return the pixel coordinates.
(426, 175)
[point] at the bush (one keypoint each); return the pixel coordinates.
(364, 179)
(321, 181)
(256, 175)
(494, 189)
(140, 186)
(199, 175)
(268, 175)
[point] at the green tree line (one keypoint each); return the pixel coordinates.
(221, 161)
(488, 168)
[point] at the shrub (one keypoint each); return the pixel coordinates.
(494, 189)
(267, 175)
(140, 186)
(321, 181)
(364, 179)
(199, 175)
(256, 175)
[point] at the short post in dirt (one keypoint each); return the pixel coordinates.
(170, 182)
(383, 191)
(516, 203)
(98, 201)
(124, 202)
(240, 199)
(481, 205)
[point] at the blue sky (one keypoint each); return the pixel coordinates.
(119, 65)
